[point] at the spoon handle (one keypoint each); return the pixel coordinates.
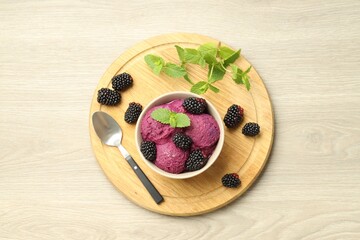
(145, 181)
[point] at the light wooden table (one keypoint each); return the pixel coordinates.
(52, 54)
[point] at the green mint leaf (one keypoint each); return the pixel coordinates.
(208, 48)
(234, 70)
(225, 52)
(172, 120)
(211, 68)
(166, 116)
(161, 115)
(231, 59)
(217, 73)
(182, 120)
(213, 88)
(155, 63)
(202, 62)
(241, 77)
(248, 70)
(210, 59)
(174, 70)
(180, 52)
(191, 55)
(186, 77)
(157, 69)
(200, 87)
(236, 74)
(245, 80)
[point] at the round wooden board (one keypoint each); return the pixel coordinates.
(244, 155)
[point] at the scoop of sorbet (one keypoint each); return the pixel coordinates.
(176, 106)
(204, 130)
(170, 158)
(152, 130)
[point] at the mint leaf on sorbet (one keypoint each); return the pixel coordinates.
(175, 119)
(161, 115)
(182, 120)
(172, 120)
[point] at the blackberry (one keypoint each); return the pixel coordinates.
(148, 149)
(251, 129)
(122, 81)
(133, 112)
(231, 180)
(195, 161)
(233, 116)
(195, 105)
(107, 96)
(182, 141)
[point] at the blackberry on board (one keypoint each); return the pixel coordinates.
(234, 116)
(251, 129)
(195, 161)
(133, 112)
(148, 149)
(195, 105)
(182, 141)
(231, 180)
(109, 97)
(122, 81)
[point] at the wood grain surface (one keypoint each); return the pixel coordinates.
(246, 156)
(52, 55)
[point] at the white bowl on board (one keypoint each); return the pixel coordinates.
(168, 97)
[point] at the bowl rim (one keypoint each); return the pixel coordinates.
(180, 95)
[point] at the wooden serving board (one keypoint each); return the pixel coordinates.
(244, 155)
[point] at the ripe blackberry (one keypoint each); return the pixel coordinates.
(195, 161)
(107, 96)
(233, 116)
(182, 141)
(195, 105)
(133, 112)
(122, 81)
(148, 149)
(231, 180)
(251, 129)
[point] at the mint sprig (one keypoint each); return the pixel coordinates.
(216, 58)
(174, 119)
(158, 65)
(241, 77)
(173, 70)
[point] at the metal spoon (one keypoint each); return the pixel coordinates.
(110, 134)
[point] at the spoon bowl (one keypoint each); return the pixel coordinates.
(107, 129)
(110, 133)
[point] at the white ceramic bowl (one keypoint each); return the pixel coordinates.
(165, 99)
